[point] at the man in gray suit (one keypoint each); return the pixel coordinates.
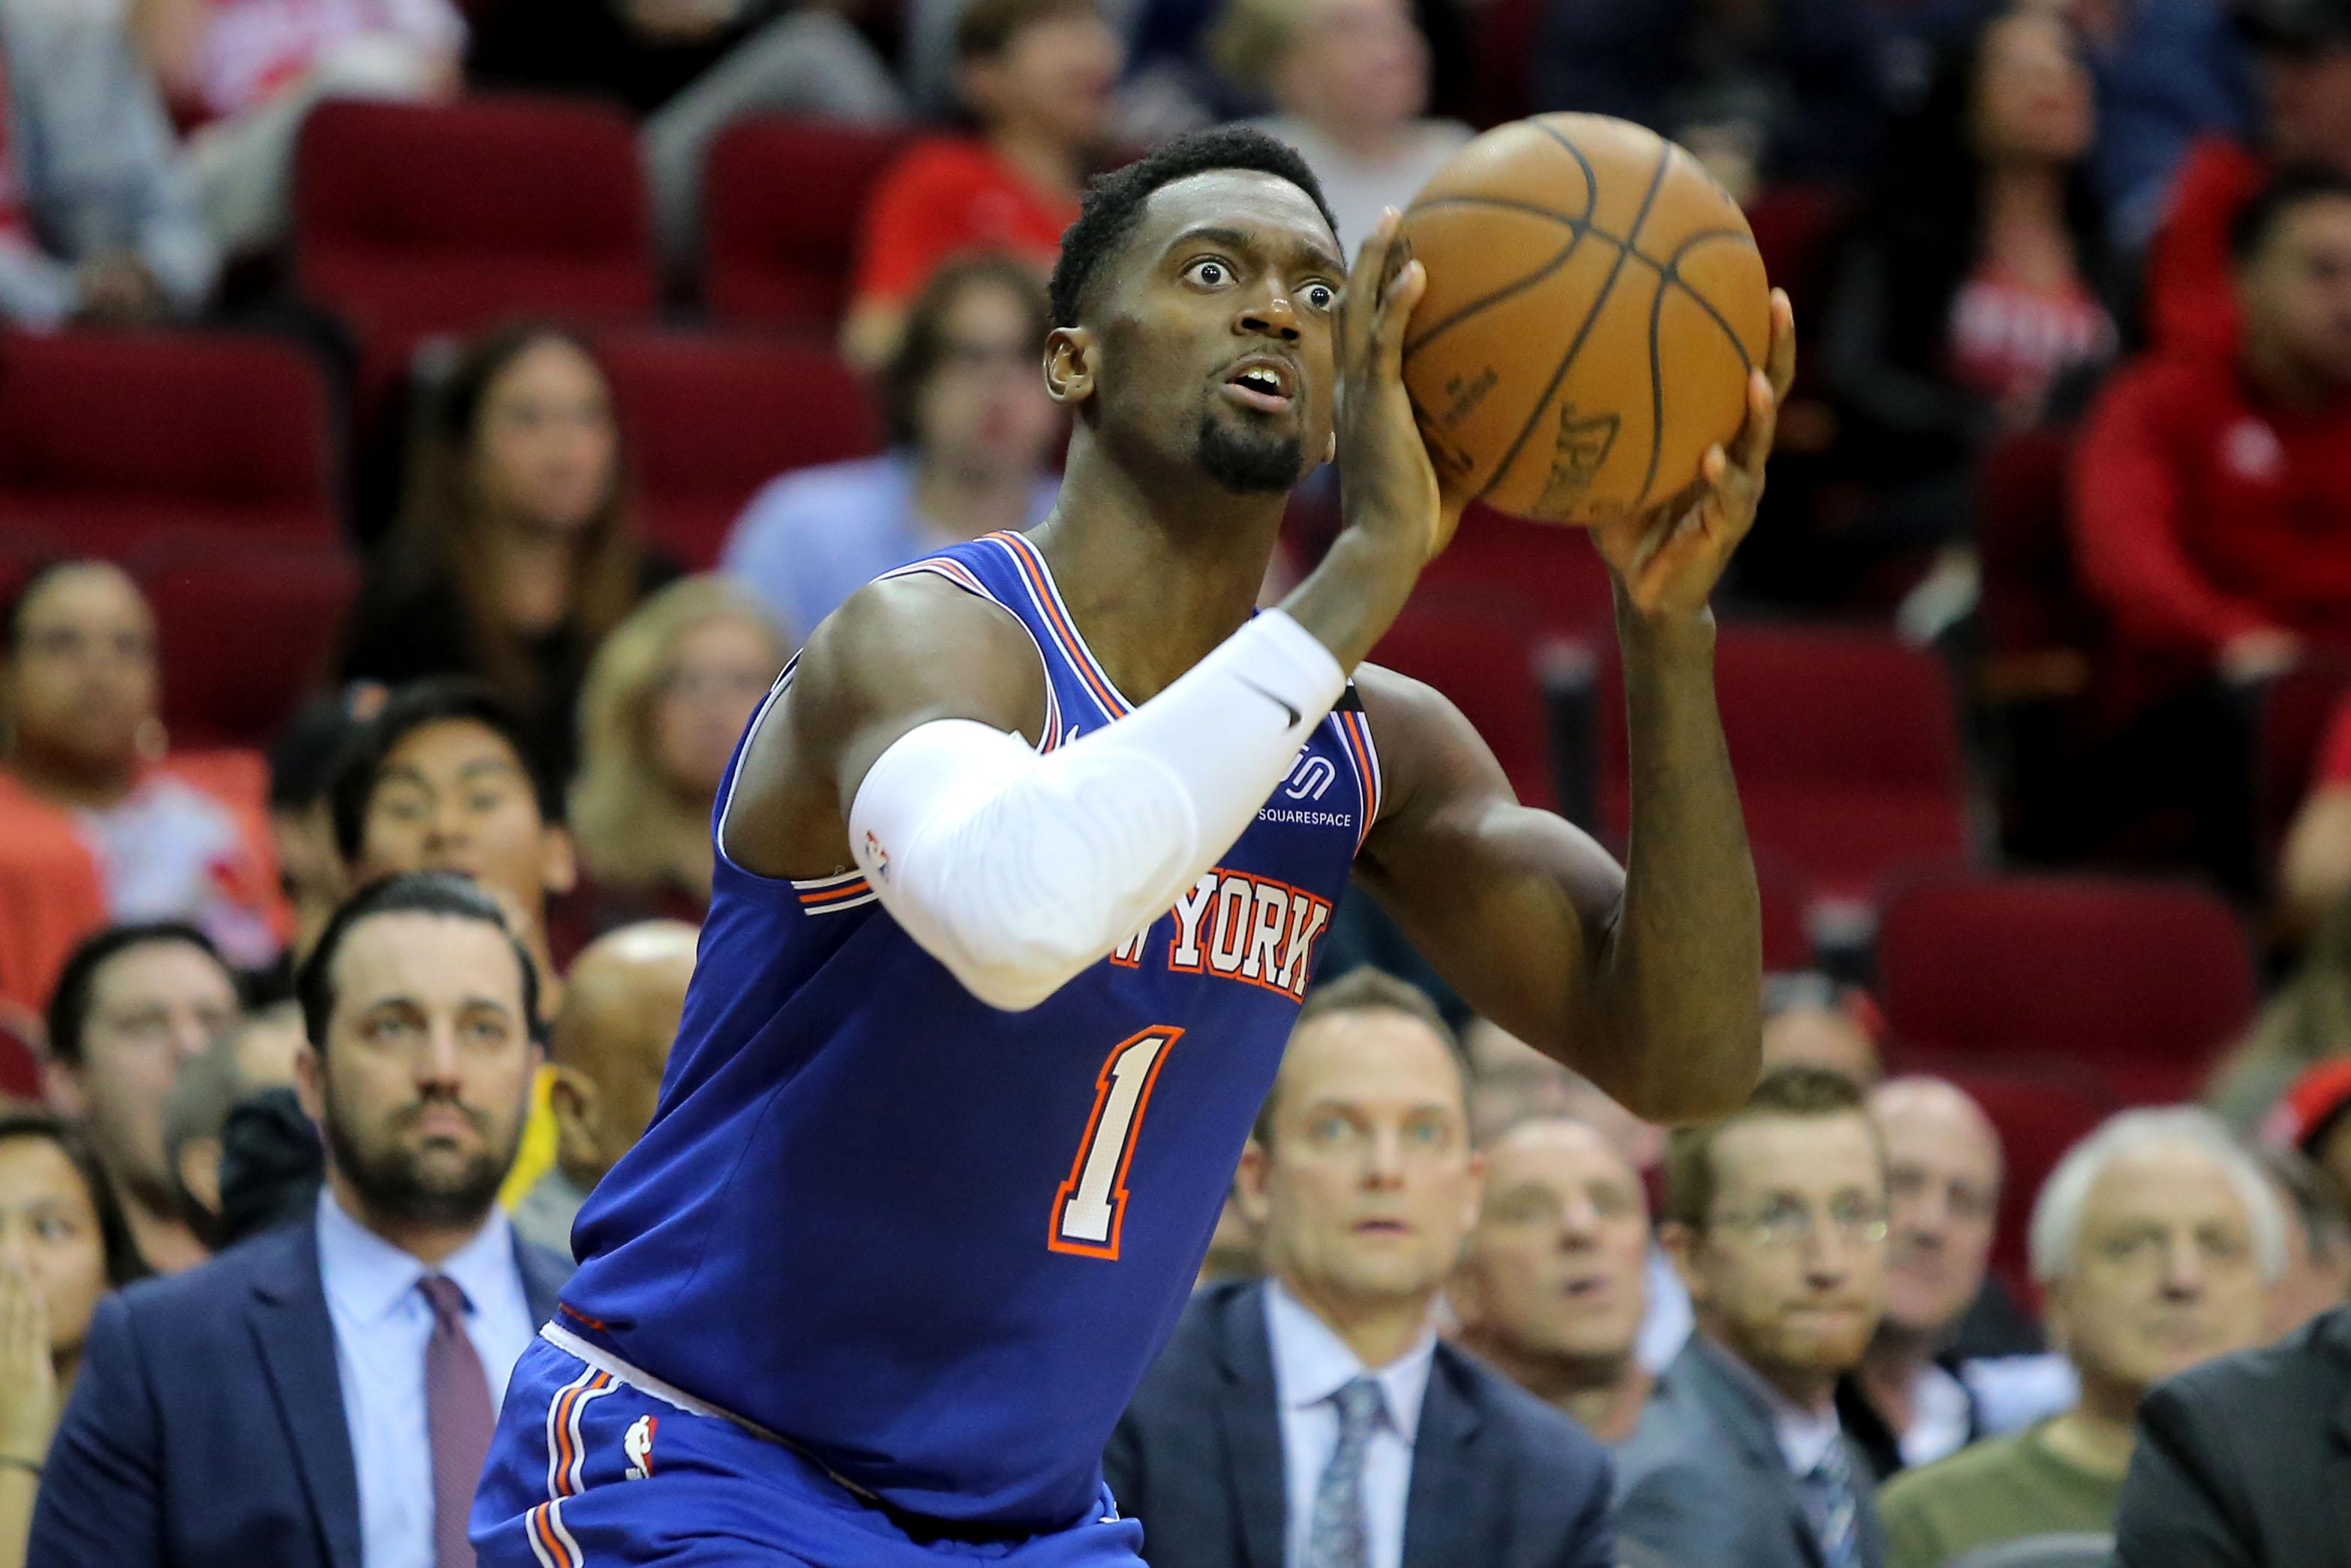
(1315, 1420)
(1776, 1221)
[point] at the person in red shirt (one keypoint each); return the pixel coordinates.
(2301, 55)
(1036, 75)
(2212, 495)
(2315, 869)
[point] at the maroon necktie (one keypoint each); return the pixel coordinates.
(457, 1418)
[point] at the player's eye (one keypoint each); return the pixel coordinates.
(1210, 272)
(1319, 296)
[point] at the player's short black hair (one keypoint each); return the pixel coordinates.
(67, 1014)
(2291, 188)
(1113, 203)
(441, 892)
(411, 707)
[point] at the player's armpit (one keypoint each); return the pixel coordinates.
(900, 654)
(1513, 905)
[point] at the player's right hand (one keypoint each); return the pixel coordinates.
(1387, 486)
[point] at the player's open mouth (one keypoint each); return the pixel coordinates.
(1261, 382)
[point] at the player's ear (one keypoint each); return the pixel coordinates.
(1070, 364)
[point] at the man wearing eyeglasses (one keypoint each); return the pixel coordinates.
(1776, 1221)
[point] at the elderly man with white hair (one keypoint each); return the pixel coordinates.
(2155, 1239)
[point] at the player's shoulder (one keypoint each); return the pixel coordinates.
(909, 639)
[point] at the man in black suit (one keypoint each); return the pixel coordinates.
(321, 1397)
(2245, 1463)
(1314, 1420)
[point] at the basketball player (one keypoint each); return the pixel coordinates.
(1021, 870)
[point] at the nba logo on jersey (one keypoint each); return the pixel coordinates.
(637, 1443)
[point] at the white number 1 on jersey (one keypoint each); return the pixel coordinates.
(1091, 1204)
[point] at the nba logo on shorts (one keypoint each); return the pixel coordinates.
(638, 1444)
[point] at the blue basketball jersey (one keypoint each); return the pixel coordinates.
(934, 1244)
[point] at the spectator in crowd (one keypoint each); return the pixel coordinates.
(1906, 1404)
(302, 827)
(2238, 1462)
(255, 1052)
(97, 217)
(1777, 1218)
(1967, 288)
(667, 696)
(1341, 1428)
(1036, 76)
(2211, 497)
(2315, 866)
(1551, 1290)
(688, 67)
(2154, 1239)
(249, 71)
(2302, 60)
(324, 1394)
(2312, 1118)
(2317, 1217)
(610, 1042)
(98, 822)
(2306, 1021)
(1812, 1021)
(1757, 91)
(1349, 83)
(2169, 72)
(132, 1004)
(970, 429)
(443, 779)
(63, 1245)
(514, 555)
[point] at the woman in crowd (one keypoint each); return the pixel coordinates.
(514, 555)
(1968, 288)
(63, 1245)
(666, 699)
(98, 823)
(971, 429)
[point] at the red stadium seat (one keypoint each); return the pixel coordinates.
(1796, 229)
(2041, 1111)
(244, 639)
(1846, 745)
(784, 199)
(20, 1066)
(1551, 575)
(1509, 32)
(709, 420)
(416, 219)
(1786, 900)
(2142, 983)
(1486, 660)
(109, 441)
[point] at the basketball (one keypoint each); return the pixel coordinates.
(1594, 304)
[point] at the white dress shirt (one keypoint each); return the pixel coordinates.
(1310, 1363)
(1941, 1418)
(381, 1324)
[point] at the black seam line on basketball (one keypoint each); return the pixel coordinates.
(1670, 272)
(1413, 345)
(1591, 180)
(1559, 374)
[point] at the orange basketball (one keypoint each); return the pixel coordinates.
(1594, 304)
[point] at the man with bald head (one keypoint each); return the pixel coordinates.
(609, 1045)
(1906, 1405)
(1551, 1290)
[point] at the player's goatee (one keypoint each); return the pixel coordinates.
(1247, 462)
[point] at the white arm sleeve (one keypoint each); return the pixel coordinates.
(1017, 870)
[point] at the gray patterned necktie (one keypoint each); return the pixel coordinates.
(1836, 1507)
(1339, 1538)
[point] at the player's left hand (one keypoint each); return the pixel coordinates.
(1669, 557)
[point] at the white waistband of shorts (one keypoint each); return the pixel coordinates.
(612, 1366)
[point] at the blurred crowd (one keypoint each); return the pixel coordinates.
(2070, 451)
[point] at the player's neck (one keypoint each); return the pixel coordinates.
(1156, 569)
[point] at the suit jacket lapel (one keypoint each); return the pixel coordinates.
(1248, 1413)
(1749, 1424)
(1447, 1501)
(296, 1340)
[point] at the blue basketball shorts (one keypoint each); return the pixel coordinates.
(589, 1470)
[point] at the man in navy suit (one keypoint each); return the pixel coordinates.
(1314, 1420)
(321, 1397)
